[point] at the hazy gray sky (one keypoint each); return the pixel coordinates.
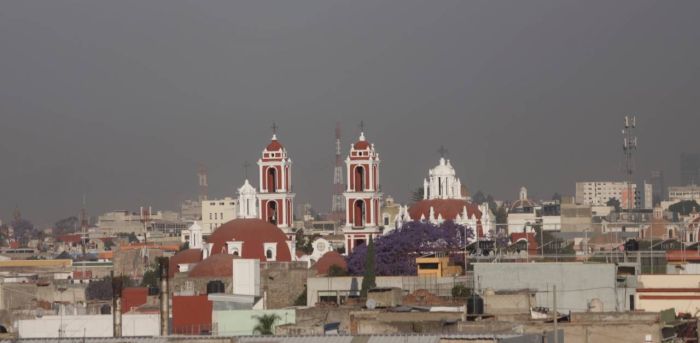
(122, 99)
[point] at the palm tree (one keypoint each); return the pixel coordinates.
(265, 323)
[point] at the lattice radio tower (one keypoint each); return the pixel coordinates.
(338, 204)
(629, 147)
(203, 185)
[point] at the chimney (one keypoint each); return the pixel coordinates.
(116, 306)
(164, 292)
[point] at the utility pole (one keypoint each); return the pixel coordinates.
(554, 313)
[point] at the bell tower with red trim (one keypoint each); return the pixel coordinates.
(362, 195)
(275, 198)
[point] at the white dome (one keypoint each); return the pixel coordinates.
(444, 168)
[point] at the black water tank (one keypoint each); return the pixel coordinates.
(216, 286)
(475, 305)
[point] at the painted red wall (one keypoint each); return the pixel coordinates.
(191, 314)
(133, 297)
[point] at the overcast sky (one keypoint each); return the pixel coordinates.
(121, 100)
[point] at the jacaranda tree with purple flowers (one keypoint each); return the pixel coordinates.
(395, 253)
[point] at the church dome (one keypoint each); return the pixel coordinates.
(274, 145)
(253, 234)
(444, 168)
(522, 206)
(362, 143)
(329, 259)
(183, 257)
(449, 209)
(220, 265)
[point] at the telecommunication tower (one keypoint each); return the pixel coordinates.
(338, 204)
(203, 185)
(629, 147)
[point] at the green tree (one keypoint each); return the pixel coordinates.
(369, 278)
(417, 195)
(266, 324)
(133, 238)
(501, 215)
(460, 291)
(336, 270)
(614, 202)
(301, 299)
(683, 208)
(150, 278)
(479, 197)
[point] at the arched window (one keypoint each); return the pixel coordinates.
(359, 179)
(271, 179)
(235, 252)
(272, 212)
(268, 254)
(359, 215)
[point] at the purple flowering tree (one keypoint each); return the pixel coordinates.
(395, 253)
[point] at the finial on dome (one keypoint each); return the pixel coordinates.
(362, 136)
(274, 131)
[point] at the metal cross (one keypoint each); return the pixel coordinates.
(245, 169)
(362, 126)
(442, 151)
(274, 128)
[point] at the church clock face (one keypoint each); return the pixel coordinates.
(321, 246)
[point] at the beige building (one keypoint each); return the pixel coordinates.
(656, 293)
(216, 212)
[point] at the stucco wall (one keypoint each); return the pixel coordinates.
(89, 326)
(577, 283)
(242, 322)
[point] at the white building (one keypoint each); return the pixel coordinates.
(247, 201)
(136, 222)
(681, 193)
(522, 215)
(216, 212)
(443, 199)
(599, 193)
(442, 183)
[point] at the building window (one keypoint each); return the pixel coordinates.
(268, 254)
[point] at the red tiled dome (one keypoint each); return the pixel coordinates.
(220, 265)
(185, 256)
(274, 145)
(327, 260)
(448, 208)
(254, 233)
(361, 145)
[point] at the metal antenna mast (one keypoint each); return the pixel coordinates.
(629, 147)
(338, 204)
(203, 185)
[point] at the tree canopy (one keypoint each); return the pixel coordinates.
(395, 253)
(685, 207)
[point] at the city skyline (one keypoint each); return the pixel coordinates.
(521, 95)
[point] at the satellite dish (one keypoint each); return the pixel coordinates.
(371, 304)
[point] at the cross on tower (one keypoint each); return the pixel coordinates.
(442, 151)
(245, 169)
(274, 128)
(362, 126)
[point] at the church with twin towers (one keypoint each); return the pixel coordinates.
(362, 214)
